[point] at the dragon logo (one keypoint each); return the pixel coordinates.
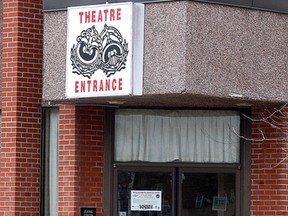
(106, 51)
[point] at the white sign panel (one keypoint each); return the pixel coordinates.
(105, 50)
(146, 200)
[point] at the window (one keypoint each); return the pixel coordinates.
(182, 191)
(187, 136)
(49, 162)
(177, 162)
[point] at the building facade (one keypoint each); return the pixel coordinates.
(206, 136)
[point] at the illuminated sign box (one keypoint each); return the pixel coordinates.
(105, 50)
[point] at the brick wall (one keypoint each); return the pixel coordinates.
(80, 159)
(21, 107)
(269, 179)
(1, 14)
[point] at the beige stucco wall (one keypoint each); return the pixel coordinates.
(195, 51)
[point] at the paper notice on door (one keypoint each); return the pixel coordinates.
(146, 200)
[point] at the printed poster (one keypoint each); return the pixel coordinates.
(142, 200)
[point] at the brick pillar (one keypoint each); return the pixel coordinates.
(269, 179)
(21, 107)
(80, 159)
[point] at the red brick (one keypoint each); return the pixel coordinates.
(269, 167)
(22, 168)
(80, 167)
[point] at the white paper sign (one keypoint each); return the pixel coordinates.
(105, 50)
(146, 200)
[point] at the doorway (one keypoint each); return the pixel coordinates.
(175, 191)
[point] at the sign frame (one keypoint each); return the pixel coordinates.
(105, 45)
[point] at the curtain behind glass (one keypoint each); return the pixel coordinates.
(51, 162)
(53, 177)
(178, 135)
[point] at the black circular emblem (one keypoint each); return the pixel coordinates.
(106, 51)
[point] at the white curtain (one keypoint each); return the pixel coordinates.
(178, 135)
(53, 162)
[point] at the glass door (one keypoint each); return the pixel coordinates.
(207, 193)
(163, 191)
(145, 192)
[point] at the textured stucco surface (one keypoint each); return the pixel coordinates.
(194, 53)
(54, 64)
(235, 50)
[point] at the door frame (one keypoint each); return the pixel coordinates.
(176, 169)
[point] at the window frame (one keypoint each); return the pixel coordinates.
(242, 169)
